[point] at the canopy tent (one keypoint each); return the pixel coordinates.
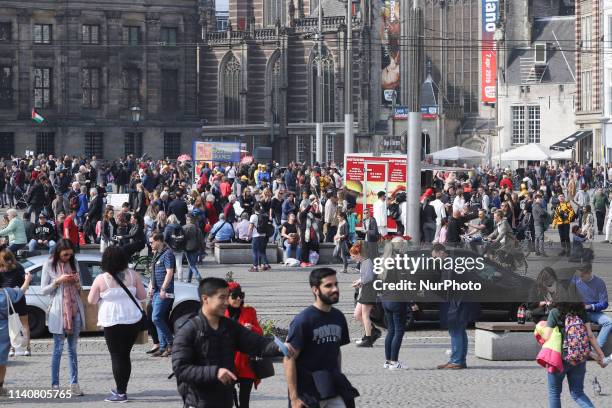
(529, 152)
(457, 153)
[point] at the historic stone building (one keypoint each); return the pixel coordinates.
(259, 77)
(85, 65)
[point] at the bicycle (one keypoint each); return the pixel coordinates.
(514, 259)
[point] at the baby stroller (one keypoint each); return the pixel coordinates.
(20, 198)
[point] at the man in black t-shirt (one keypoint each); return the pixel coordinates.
(314, 375)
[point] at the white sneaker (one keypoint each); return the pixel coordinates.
(76, 390)
(386, 365)
(11, 352)
(397, 366)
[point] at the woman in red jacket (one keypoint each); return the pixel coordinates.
(246, 316)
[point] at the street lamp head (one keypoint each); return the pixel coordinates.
(135, 114)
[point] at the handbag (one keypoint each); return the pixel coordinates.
(142, 324)
(16, 331)
(262, 367)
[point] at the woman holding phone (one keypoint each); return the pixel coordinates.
(66, 315)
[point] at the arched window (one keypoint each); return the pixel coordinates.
(327, 99)
(274, 10)
(275, 96)
(231, 73)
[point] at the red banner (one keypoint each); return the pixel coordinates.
(490, 15)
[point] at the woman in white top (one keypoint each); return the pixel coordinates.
(118, 314)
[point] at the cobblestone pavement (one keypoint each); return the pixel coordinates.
(279, 295)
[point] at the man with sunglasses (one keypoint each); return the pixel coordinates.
(204, 348)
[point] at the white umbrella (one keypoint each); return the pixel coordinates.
(530, 152)
(457, 153)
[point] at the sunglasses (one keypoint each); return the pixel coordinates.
(237, 295)
(67, 254)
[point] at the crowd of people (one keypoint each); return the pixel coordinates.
(172, 212)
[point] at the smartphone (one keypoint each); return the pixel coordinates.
(281, 345)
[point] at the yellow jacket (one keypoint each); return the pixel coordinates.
(565, 208)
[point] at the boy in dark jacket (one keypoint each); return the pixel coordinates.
(204, 347)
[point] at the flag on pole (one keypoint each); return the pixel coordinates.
(36, 117)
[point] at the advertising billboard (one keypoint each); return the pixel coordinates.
(367, 175)
(390, 35)
(490, 14)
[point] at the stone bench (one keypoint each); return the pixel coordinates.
(326, 254)
(510, 341)
(238, 253)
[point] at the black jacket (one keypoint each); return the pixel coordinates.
(199, 351)
(95, 210)
(179, 208)
(37, 195)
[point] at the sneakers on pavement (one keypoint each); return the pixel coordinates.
(114, 397)
(366, 341)
(12, 352)
(451, 366)
(396, 366)
(386, 365)
(76, 390)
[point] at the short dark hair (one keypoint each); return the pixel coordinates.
(125, 205)
(381, 194)
(317, 275)
(210, 286)
(114, 260)
(158, 236)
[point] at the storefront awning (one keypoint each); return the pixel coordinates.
(569, 141)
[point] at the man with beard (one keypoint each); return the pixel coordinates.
(314, 374)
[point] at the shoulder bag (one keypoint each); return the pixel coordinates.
(16, 331)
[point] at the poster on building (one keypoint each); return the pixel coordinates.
(390, 35)
(490, 14)
(214, 153)
(367, 175)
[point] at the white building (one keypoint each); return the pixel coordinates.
(537, 87)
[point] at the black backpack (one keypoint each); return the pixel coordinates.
(177, 239)
(264, 226)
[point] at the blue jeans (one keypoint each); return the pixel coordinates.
(606, 325)
(395, 319)
(161, 313)
(575, 379)
(459, 344)
(276, 234)
(33, 244)
(58, 348)
(192, 260)
(288, 248)
(258, 247)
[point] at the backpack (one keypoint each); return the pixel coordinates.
(576, 345)
(264, 226)
(177, 239)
